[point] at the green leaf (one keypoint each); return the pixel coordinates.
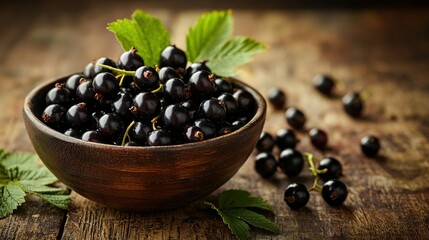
(44, 190)
(11, 196)
(61, 201)
(208, 35)
(3, 154)
(144, 32)
(254, 219)
(40, 176)
(23, 160)
(238, 227)
(241, 199)
(235, 52)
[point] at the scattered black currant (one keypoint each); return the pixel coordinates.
(324, 84)
(334, 192)
(173, 57)
(291, 162)
(277, 97)
(295, 117)
(130, 60)
(318, 138)
(266, 142)
(265, 164)
(296, 195)
(285, 138)
(353, 104)
(333, 166)
(370, 145)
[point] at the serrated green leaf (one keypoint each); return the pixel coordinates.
(45, 190)
(241, 199)
(11, 196)
(144, 32)
(235, 52)
(238, 227)
(254, 219)
(23, 160)
(61, 201)
(3, 154)
(208, 35)
(40, 176)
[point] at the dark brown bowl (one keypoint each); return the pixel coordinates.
(141, 178)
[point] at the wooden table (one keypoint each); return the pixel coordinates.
(383, 52)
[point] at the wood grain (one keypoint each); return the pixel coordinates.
(383, 52)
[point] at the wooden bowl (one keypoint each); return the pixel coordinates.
(141, 178)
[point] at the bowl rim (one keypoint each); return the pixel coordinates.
(27, 110)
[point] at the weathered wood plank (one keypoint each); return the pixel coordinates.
(382, 52)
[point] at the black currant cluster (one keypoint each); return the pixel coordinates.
(291, 162)
(128, 103)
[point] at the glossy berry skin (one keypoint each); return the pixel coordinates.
(110, 126)
(246, 104)
(159, 137)
(92, 136)
(285, 138)
(291, 162)
(167, 73)
(59, 95)
(370, 145)
(85, 92)
(324, 84)
(334, 192)
(139, 132)
(105, 61)
(73, 82)
(194, 134)
(88, 72)
(202, 84)
(130, 60)
(230, 104)
(193, 68)
(295, 118)
(191, 108)
(223, 86)
(105, 85)
(318, 138)
(146, 106)
(71, 132)
(54, 116)
(353, 104)
(277, 98)
(265, 164)
(175, 116)
(173, 57)
(296, 196)
(224, 128)
(175, 90)
(335, 170)
(121, 104)
(207, 126)
(213, 109)
(265, 143)
(78, 115)
(146, 77)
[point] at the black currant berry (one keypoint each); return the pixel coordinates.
(146, 106)
(175, 116)
(265, 142)
(146, 77)
(334, 192)
(194, 134)
(173, 57)
(167, 73)
(318, 138)
(223, 86)
(291, 162)
(295, 117)
(370, 145)
(159, 137)
(265, 164)
(54, 116)
(92, 136)
(353, 104)
(105, 85)
(130, 60)
(324, 84)
(59, 95)
(104, 61)
(85, 92)
(224, 128)
(213, 109)
(230, 104)
(296, 196)
(122, 103)
(246, 104)
(73, 82)
(206, 126)
(202, 84)
(72, 132)
(193, 68)
(139, 132)
(175, 90)
(78, 115)
(285, 138)
(333, 166)
(277, 97)
(89, 70)
(110, 126)
(191, 108)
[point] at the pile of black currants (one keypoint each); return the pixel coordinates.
(128, 103)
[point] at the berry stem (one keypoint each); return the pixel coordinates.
(312, 168)
(158, 89)
(316, 186)
(153, 121)
(126, 132)
(122, 79)
(117, 70)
